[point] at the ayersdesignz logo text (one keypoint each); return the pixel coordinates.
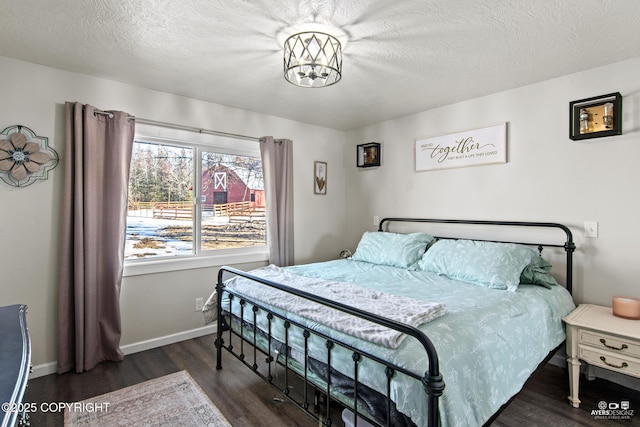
(613, 411)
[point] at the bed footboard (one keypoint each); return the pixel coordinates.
(432, 380)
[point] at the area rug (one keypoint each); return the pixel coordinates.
(172, 400)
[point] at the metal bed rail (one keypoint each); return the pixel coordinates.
(432, 381)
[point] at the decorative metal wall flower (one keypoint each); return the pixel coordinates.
(25, 157)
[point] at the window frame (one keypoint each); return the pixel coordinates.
(198, 258)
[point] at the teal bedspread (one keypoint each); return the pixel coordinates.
(489, 341)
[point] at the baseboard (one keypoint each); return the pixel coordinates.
(43, 369)
(51, 367)
(559, 359)
(168, 339)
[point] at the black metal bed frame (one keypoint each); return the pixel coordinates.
(432, 380)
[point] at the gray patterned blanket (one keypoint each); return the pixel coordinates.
(400, 309)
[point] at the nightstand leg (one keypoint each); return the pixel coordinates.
(574, 380)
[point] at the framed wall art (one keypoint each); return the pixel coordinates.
(25, 158)
(368, 155)
(319, 177)
(596, 117)
(474, 147)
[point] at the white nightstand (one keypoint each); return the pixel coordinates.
(597, 337)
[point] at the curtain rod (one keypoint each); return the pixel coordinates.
(180, 127)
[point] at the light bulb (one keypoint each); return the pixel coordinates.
(607, 119)
(584, 120)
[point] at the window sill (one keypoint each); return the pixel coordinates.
(163, 265)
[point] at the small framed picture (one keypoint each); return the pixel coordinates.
(368, 155)
(596, 117)
(319, 177)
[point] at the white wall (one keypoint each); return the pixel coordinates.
(548, 176)
(154, 305)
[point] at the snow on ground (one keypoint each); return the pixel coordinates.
(139, 227)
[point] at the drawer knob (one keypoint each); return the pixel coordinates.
(604, 343)
(604, 359)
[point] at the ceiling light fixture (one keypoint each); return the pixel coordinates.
(312, 59)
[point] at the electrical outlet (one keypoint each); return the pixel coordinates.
(199, 304)
(591, 229)
(376, 220)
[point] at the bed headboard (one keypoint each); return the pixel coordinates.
(568, 245)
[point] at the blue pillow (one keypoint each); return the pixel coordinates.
(537, 273)
(394, 249)
(488, 264)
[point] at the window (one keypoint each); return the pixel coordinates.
(189, 199)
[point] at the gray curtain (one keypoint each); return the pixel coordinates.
(277, 166)
(94, 211)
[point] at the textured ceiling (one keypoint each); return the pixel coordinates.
(400, 57)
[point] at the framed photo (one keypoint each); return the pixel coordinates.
(319, 177)
(368, 155)
(474, 147)
(596, 117)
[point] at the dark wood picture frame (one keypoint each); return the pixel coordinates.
(368, 155)
(588, 118)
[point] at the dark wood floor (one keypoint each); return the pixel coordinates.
(247, 401)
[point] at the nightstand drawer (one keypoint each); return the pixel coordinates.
(608, 360)
(624, 346)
